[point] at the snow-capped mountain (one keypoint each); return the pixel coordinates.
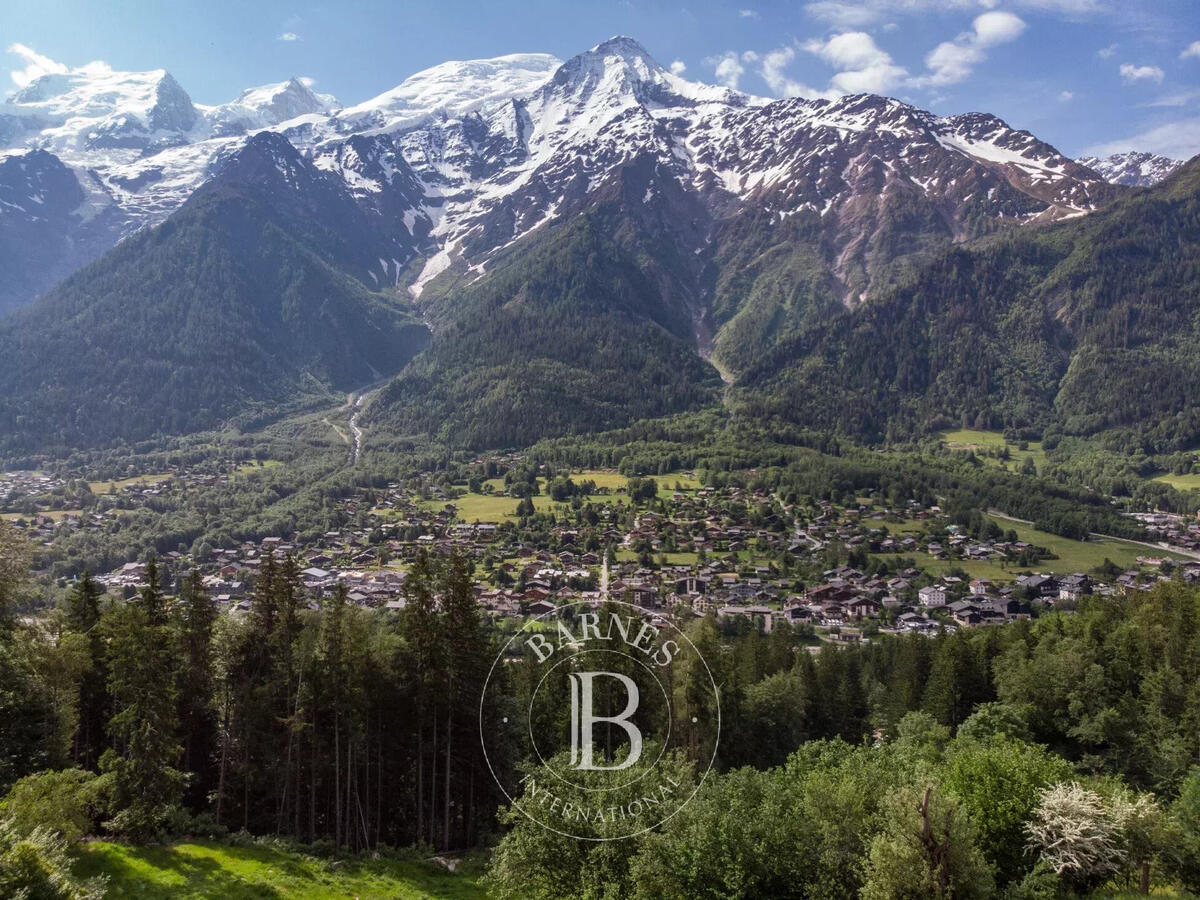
(488, 151)
(451, 89)
(1132, 168)
(97, 108)
(262, 107)
(527, 161)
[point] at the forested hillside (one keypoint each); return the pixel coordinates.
(240, 304)
(1083, 326)
(573, 333)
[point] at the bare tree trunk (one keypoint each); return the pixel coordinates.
(937, 852)
(349, 770)
(420, 777)
(379, 793)
(312, 784)
(224, 759)
(446, 776)
(337, 782)
(433, 776)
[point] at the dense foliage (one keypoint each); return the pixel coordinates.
(1035, 760)
(569, 335)
(1087, 326)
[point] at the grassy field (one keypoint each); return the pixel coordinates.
(207, 870)
(495, 508)
(982, 441)
(673, 559)
(112, 487)
(488, 508)
(56, 514)
(1181, 482)
(257, 466)
(1079, 556)
(1073, 556)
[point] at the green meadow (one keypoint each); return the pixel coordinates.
(204, 870)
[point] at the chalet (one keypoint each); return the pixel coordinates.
(932, 596)
(1039, 585)
(863, 608)
(1072, 587)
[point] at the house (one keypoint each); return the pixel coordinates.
(1072, 587)
(932, 596)
(863, 608)
(1039, 585)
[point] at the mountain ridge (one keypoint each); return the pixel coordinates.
(469, 129)
(612, 206)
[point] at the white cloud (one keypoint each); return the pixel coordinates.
(851, 50)
(1131, 73)
(953, 61)
(678, 67)
(36, 65)
(844, 15)
(1183, 98)
(774, 64)
(748, 13)
(1192, 49)
(950, 62)
(1066, 96)
(1179, 140)
(727, 69)
(860, 13)
(1106, 52)
(994, 28)
(862, 66)
(288, 36)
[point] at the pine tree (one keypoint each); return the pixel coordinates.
(196, 617)
(145, 785)
(467, 657)
(422, 632)
(83, 617)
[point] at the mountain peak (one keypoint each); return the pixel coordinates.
(1132, 168)
(621, 62)
(455, 87)
(620, 72)
(626, 47)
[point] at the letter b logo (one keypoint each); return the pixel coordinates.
(583, 718)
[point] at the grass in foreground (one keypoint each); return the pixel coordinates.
(210, 870)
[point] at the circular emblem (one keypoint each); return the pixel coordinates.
(617, 710)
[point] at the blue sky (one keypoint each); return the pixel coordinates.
(1086, 75)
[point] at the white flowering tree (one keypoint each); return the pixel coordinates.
(1076, 836)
